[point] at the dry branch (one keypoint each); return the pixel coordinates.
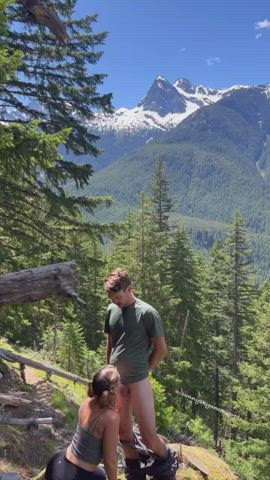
(36, 284)
(13, 400)
(6, 420)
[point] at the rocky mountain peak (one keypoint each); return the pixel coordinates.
(163, 98)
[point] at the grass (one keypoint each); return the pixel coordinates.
(61, 403)
(74, 391)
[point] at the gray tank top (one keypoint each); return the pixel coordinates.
(85, 446)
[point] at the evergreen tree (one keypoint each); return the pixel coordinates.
(33, 175)
(160, 196)
(188, 328)
(138, 248)
(241, 295)
(240, 288)
(220, 339)
(250, 452)
(54, 77)
(72, 347)
(40, 222)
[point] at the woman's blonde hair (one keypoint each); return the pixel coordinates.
(104, 385)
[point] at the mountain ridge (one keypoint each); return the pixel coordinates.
(164, 107)
(217, 159)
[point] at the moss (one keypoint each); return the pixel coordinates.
(189, 474)
(216, 467)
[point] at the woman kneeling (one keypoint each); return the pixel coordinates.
(96, 435)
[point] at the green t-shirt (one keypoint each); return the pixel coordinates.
(131, 329)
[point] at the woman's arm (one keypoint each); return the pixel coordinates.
(110, 439)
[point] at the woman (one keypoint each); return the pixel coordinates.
(96, 435)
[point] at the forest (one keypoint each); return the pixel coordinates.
(215, 379)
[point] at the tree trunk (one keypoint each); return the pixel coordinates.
(13, 357)
(35, 284)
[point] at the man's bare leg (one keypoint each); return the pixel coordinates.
(142, 401)
(126, 426)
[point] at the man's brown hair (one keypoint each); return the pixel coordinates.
(118, 279)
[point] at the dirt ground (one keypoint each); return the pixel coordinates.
(23, 449)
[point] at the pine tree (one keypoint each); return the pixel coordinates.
(220, 338)
(160, 196)
(54, 77)
(250, 452)
(188, 328)
(240, 288)
(241, 294)
(141, 248)
(33, 175)
(72, 347)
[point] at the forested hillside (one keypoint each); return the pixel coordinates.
(213, 386)
(217, 163)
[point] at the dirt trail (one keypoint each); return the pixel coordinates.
(31, 376)
(31, 448)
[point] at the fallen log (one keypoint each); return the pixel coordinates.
(36, 284)
(14, 357)
(6, 420)
(13, 401)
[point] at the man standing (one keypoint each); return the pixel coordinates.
(135, 345)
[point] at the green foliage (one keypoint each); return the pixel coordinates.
(253, 396)
(188, 330)
(60, 402)
(201, 432)
(65, 344)
(160, 197)
(56, 75)
(216, 161)
(41, 222)
(164, 412)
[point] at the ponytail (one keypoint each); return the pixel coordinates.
(104, 386)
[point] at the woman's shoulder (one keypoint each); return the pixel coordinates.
(85, 404)
(111, 416)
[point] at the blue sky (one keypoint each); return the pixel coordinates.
(217, 43)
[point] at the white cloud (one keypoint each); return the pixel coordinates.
(212, 61)
(262, 25)
(258, 35)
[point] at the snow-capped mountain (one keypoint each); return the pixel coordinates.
(163, 107)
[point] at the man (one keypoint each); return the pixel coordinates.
(136, 345)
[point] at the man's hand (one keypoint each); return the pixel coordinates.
(159, 351)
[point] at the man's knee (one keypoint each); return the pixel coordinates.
(150, 439)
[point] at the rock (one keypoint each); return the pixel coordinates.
(194, 457)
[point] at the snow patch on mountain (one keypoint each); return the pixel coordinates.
(132, 121)
(163, 108)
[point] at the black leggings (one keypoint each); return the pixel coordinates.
(60, 468)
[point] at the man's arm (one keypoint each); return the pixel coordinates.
(108, 348)
(159, 351)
